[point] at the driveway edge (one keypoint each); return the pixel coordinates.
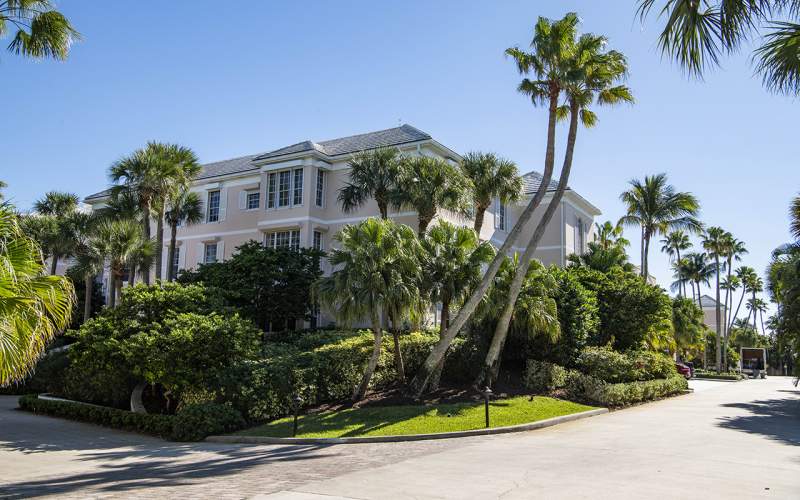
(410, 437)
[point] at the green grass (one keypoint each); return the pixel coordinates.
(400, 420)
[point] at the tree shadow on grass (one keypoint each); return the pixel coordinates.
(777, 419)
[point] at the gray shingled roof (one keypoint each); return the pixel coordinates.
(354, 143)
(708, 301)
(532, 180)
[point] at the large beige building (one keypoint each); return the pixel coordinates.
(288, 198)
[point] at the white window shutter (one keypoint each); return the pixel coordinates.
(223, 203)
(220, 251)
(201, 253)
(242, 200)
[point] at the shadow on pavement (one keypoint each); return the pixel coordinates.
(777, 419)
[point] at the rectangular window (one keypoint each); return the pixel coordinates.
(284, 180)
(271, 187)
(317, 244)
(298, 187)
(210, 253)
(320, 194)
(501, 216)
(176, 262)
(284, 239)
(253, 200)
(213, 206)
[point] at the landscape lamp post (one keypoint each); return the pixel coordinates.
(297, 401)
(487, 393)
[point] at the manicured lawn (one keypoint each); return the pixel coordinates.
(396, 420)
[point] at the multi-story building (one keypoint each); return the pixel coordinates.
(288, 197)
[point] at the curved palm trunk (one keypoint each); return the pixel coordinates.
(491, 366)
(479, 213)
(53, 264)
(718, 312)
(88, 283)
(420, 382)
(361, 390)
(159, 244)
(173, 236)
(739, 305)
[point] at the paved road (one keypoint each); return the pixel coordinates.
(727, 440)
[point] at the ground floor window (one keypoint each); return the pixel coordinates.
(317, 240)
(210, 253)
(283, 239)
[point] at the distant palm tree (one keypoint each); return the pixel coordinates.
(119, 242)
(680, 272)
(428, 185)
(33, 307)
(492, 178)
(41, 30)
(734, 250)
(794, 216)
(452, 261)
(673, 243)
(609, 235)
(716, 241)
(184, 207)
(3, 185)
(699, 270)
(756, 306)
(376, 270)
(600, 259)
(373, 175)
(60, 239)
(657, 208)
(756, 286)
(748, 278)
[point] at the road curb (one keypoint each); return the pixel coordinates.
(234, 439)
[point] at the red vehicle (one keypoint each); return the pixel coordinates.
(684, 370)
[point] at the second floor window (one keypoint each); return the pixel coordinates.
(298, 187)
(253, 200)
(210, 253)
(272, 179)
(285, 188)
(284, 182)
(213, 206)
(320, 192)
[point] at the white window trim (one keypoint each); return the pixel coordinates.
(276, 194)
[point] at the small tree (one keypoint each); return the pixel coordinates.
(373, 175)
(492, 178)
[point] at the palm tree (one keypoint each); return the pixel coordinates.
(756, 306)
(33, 307)
(657, 208)
(680, 272)
(492, 178)
(748, 278)
(734, 250)
(756, 286)
(609, 235)
(602, 259)
(673, 243)
(428, 185)
(696, 33)
(119, 242)
(699, 271)
(88, 262)
(41, 30)
(185, 207)
(373, 175)
(376, 270)
(60, 240)
(593, 77)
(548, 64)
(716, 242)
(3, 185)
(452, 258)
(794, 216)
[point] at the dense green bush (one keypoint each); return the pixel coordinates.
(610, 366)
(541, 376)
(195, 422)
(622, 394)
(717, 376)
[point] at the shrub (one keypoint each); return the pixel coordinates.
(610, 366)
(541, 376)
(48, 376)
(627, 393)
(195, 422)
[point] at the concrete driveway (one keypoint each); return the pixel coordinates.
(727, 440)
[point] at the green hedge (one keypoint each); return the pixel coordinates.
(541, 376)
(717, 376)
(192, 423)
(611, 366)
(623, 394)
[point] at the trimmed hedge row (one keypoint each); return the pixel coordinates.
(193, 423)
(717, 376)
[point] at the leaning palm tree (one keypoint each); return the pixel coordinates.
(373, 175)
(375, 270)
(119, 242)
(657, 208)
(428, 185)
(452, 258)
(60, 238)
(492, 178)
(547, 64)
(673, 243)
(33, 307)
(184, 208)
(594, 76)
(41, 32)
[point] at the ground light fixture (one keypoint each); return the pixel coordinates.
(487, 394)
(296, 402)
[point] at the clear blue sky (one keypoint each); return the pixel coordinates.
(235, 81)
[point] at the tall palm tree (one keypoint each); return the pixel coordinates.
(680, 271)
(60, 240)
(734, 250)
(699, 270)
(756, 287)
(697, 33)
(373, 175)
(593, 77)
(609, 235)
(755, 306)
(657, 208)
(748, 278)
(452, 258)
(41, 31)
(184, 207)
(492, 178)
(428, 185)
(673, 243)
(88, 262)
(376, 270)
(548, 64)
(118, 241)
(716, 242)
(33, 307)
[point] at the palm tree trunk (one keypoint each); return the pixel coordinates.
(173, 236)
(645, 270)
(491, 366)
(718, 321)
(88, 283)
(118, 284)
(53, 264)
(399, 366)
(423, 226)
(146, 234)
(443, 321)
(132, 275)
(421, 380)
(725, 319)
(383, 209)
(641, 252)
(159, 243)
(479, 213)
(683, 283)
(361, 390)
(741, 299)
(761, 315)
(112, 290)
